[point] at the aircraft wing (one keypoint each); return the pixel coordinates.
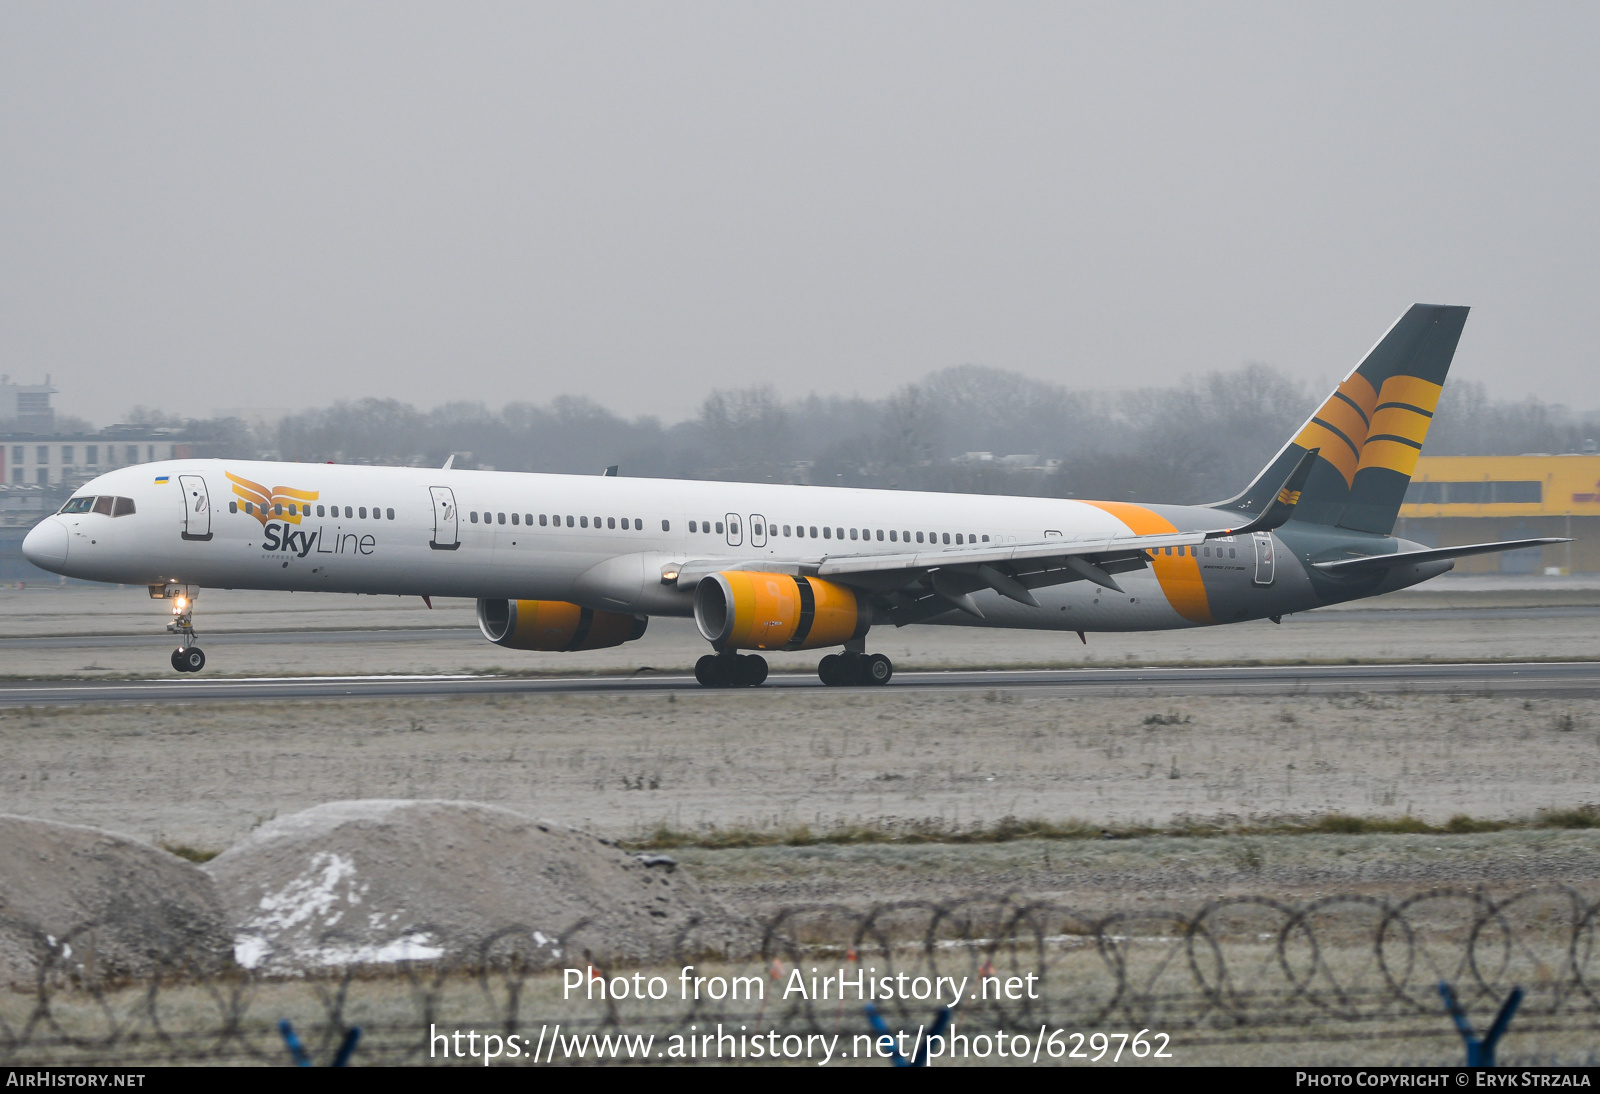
(915, 585)
(911, 586)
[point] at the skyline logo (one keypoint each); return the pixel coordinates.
(263, 503)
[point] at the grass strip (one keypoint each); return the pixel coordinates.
(1007, 829)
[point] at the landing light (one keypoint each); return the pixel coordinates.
(668, 576)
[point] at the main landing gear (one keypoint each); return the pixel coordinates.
(188, 657)
(731, 670)
(843, 670)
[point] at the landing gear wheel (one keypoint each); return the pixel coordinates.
(752, 670)
(177, 660)
(879, 669)
(705, 671)
(831, 671)
(188, 659)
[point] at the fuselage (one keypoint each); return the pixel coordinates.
(606, 542)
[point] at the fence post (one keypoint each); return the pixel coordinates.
(919, 1056)
(1480, 1052)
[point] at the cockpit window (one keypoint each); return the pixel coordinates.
(78, 505)
(124, 508)
(102, 505)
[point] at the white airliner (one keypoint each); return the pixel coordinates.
(565, 562)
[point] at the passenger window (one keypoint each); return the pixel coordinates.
(919, 537)
(958, 538)
(543, 520)
(611, 522)
(852, 533)
(947, 537)
(102, 505)
(787, 530)
(839, 532)
(894, 537)
(986, 539)
(569, 520)
(472, 516)
(827, 533)
(233, 507)
(349, 512)
(1230, 552)
(694, 526)
(583, 522)
(516, 518)
(719, 528)
(502, 519)
(124, 508)
(638, 524)
(880, 535)
(1181, 553)
(666, 526)
(527, 518)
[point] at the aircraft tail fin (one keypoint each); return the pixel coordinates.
(1369, 430)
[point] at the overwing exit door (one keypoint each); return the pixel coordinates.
(196, 507)
(446, 526)
(1265, 563)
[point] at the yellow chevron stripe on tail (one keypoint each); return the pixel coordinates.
(1370, 430)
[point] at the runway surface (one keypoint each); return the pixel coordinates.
(1566, 679)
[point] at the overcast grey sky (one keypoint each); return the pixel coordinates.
(215, 205)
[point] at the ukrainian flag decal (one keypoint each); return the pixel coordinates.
(161, 479)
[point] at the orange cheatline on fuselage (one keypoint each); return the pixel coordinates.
(1179, 575)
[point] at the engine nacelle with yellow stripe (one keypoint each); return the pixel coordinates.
(555, 626)
(749, 610)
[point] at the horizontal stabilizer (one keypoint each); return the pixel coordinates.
(1373, 563)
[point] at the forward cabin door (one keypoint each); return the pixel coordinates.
(1265, 562)
(735, 536)
(446, 530)
(196, 507)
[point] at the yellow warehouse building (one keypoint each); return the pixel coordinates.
(1475, 499)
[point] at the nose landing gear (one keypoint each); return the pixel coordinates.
(188, 657)
(839, 670)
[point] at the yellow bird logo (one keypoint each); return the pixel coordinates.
(279, 503)
(1289, 497)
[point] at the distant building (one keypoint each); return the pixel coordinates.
(27, 406)
(32, 459)
(1475, 499)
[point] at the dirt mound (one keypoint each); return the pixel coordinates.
(88, 902)
(365, 882)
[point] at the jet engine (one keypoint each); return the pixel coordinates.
(749, 610)
(555, 626)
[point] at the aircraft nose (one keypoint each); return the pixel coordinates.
(46, 545)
